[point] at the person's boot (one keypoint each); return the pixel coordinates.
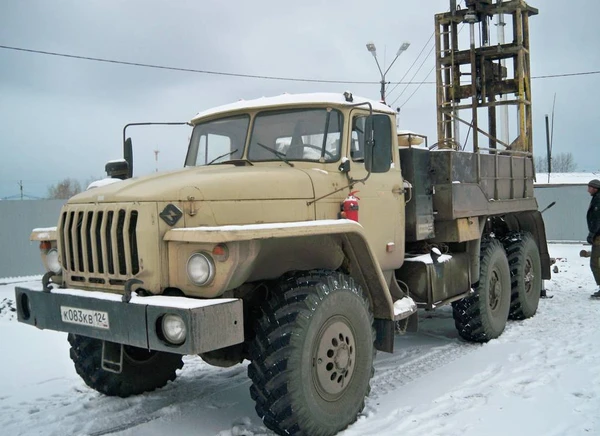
(596, 294)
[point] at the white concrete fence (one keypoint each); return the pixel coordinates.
(20, 257)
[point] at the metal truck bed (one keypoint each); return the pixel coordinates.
(449, 185)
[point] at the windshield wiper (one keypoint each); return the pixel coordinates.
(279, 154)
(237, 162)
(223, 155)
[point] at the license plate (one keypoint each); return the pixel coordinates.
(91, 318)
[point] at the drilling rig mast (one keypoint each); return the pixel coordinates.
(487, 80)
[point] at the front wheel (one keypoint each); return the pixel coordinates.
(142, 371)
(312, 358)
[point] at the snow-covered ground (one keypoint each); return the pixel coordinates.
(541, 377)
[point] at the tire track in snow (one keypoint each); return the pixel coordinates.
(76, 409)
(394, 372)
(123, 427)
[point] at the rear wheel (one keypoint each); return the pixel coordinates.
(142, 371)
(312, 358)
(526, 275)
(483, 316)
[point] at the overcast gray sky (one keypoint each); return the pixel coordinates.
(63, 117)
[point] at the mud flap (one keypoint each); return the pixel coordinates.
(410, 324)
(112, 357)
(413, 323)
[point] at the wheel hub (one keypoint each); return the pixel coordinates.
(528, 279)
(334, 359)
(342, 357)
(495, 291)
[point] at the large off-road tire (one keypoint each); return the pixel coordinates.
(482, 316)
(312, 357)
(143, 370)
(525, 273)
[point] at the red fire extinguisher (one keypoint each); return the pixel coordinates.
(350, 207)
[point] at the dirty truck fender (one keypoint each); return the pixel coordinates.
(266, 251)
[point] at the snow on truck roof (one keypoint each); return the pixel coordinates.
(293, 99)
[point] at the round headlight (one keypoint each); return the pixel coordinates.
(173, 329)
(200, 269)
(52, 261)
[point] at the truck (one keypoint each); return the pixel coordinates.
(303, 233)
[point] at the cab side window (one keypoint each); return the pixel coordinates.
(357, 140)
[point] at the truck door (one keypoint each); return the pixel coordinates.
(381, 202)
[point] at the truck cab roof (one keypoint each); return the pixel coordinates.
(309, 99)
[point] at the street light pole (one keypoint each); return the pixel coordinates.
(371, 48)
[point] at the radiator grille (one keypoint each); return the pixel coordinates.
(100, 243)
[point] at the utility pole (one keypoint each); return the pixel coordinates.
(548, 149)
(21, 188)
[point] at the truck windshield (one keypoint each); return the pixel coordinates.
(218, 141)
(306, 134)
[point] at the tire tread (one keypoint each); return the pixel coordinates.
(287, 311)
(468, 319)
(515, 245)
(86, 354)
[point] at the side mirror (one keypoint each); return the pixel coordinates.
(117, 169)
(128, 157)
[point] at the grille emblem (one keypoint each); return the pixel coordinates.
(171, 214)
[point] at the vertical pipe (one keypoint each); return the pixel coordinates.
(492, 120)
(447, 90)
(515, 74)
(455, 83)
(504, 132)
(527, 67)
(523, 135)
(548, 151)
(485, 31)
(439, 89)
(474, 79)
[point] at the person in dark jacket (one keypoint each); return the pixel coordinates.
(593, 222)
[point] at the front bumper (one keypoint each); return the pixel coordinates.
(210, 323)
